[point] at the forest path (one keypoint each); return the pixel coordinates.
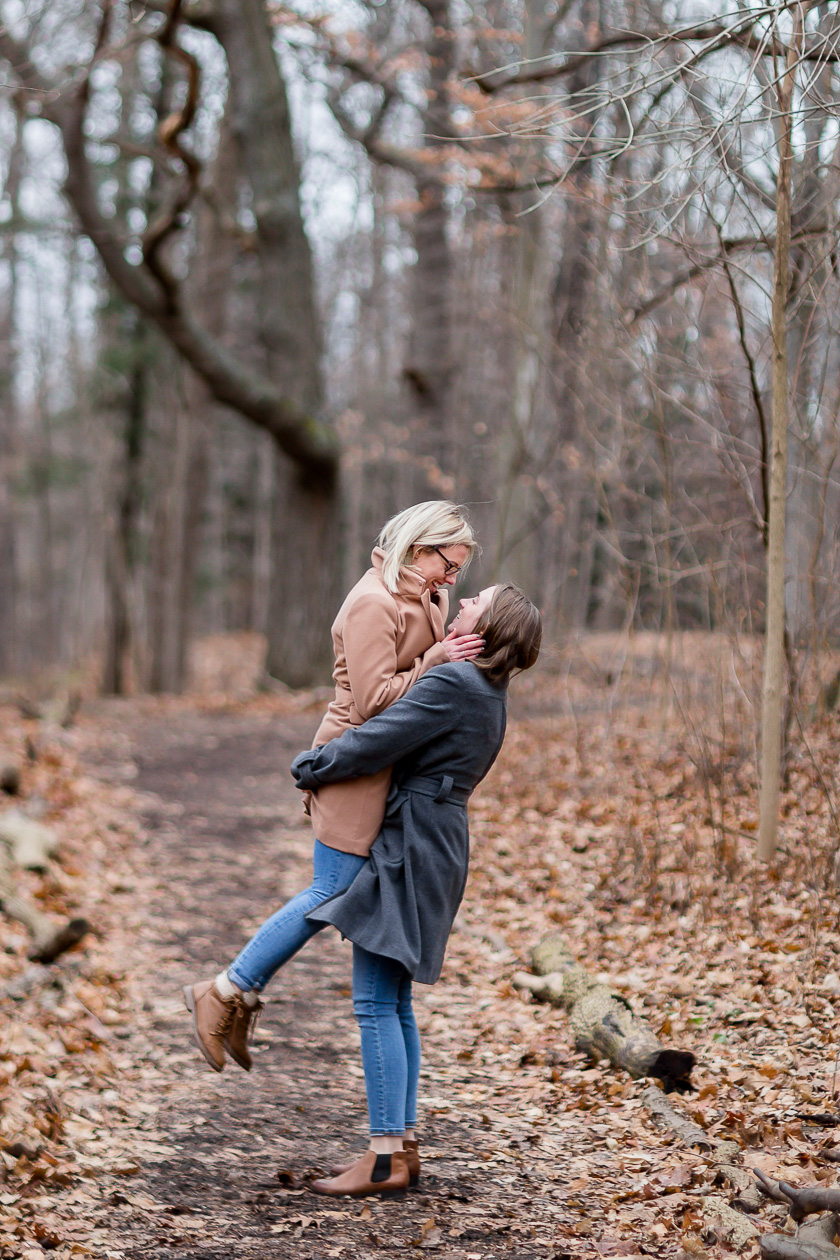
(225, 843)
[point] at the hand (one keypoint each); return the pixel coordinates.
(463, 647)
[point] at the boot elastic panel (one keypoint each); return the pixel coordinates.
(381, 1168)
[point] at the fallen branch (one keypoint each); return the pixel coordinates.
(747, 1197)
(689, 1133)
(811, 1242)
(802, 1200)
(48, 939)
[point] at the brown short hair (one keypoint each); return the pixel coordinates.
(512, 631)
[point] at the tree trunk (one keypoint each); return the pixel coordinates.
(8, 314)
(530, 432)
(285, 399)
(514, 552)
(429, 369)
(126, 358)
(811, 431)
(571, 298)
(774, 635)
(174, 548)
(121, 540)
(305, 528)
(302, 605)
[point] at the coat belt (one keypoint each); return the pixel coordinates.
(443, 791)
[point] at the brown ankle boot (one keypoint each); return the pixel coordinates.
(241, 1031)
(412, 1159)
(372, 1174)
(212, 1017)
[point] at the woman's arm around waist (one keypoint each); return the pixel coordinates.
(431, 708)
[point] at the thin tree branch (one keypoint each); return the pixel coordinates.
(196, 13)
(170, 217)
(719, 34)
(707, 264)
(369, 137)
(763, 425)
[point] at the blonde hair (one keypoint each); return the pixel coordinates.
(437, 523)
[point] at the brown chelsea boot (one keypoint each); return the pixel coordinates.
(412, 1158)
(372, 1174)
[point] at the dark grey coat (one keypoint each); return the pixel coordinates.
(441, 739)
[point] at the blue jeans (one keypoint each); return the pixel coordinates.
(390, 1041)
(381, 992)
(288, 930)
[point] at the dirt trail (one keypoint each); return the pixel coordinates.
(227, 843)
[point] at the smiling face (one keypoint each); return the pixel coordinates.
(471, 611)
(432, 564)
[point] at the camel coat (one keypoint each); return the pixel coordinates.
(383, 643)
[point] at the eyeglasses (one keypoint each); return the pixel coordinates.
(448, 566)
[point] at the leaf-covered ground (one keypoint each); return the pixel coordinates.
(621, 814)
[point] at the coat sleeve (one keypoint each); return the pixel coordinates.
(430, 710)
(370, 650)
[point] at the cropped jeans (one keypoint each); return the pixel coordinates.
(381, 992)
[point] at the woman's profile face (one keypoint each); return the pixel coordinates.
(472, 610)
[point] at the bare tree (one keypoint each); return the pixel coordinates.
(8, 339)
(774, 637)
(284, 399)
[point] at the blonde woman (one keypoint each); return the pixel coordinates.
(390, 630)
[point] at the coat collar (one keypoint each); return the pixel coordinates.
(412, 585)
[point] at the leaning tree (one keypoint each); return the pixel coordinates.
(284, 394)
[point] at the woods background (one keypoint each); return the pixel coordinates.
(272, 272)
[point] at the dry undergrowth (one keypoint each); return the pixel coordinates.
(622, 813)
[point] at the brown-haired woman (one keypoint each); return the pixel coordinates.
(390, 630)
(440, 739)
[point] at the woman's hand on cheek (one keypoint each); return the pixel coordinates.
(463, 647)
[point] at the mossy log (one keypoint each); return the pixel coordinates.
(602, 1021)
